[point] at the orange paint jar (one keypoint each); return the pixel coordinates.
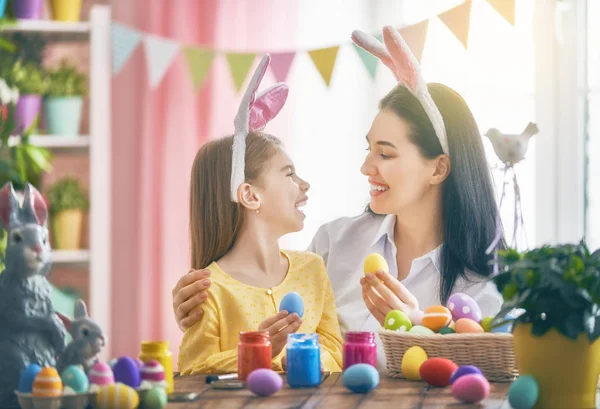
(254, 352)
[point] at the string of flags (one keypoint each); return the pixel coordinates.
(160, 51)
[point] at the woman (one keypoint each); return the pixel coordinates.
(432, 212)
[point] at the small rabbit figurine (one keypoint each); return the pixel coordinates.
(87, 343)
(30, 330)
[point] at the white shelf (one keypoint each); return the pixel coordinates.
(55, 141)
(70, 256)
(48, 26)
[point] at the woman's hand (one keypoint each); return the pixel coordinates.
(189, 293)
(382, 293)
(279, 326)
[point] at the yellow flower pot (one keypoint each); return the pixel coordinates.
(66, 10)
(566, 370)
(66, 228)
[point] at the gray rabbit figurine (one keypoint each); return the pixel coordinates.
(30, 330)
(87, 342)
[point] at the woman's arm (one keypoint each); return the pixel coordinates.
(189, 293)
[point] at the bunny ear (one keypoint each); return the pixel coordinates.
(375, 47)
(407, 68)
(35, 205)
(80, 310)
(65, 320)
(9, 206)
(267, 105)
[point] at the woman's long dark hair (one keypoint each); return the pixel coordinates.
(469, 209)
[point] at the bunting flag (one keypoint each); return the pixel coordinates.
(240, 64)
(199, 62)
(506, 8)
(415, 38)
(124, 41)
(280, 65)
(324, 59)
(160, 52)
(368, 59)
(458, 21)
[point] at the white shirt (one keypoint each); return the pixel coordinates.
(345, 243)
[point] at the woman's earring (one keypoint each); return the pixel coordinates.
(257, 211)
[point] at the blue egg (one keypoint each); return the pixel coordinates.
(464, 370)
(523, 393)
(361, 378)
(27, 378)
(292, 303)
(75, 378)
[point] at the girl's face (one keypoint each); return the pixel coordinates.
(399, 175)
(282, 193)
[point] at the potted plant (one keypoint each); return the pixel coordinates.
(64, 100)
(68, 202)
(66, 10)
(29, 9)
(31, 82)
(557, 289)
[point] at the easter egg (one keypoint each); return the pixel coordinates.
(101, 374)
(437, 371)
(47, 383)
(416, 317)
(74, 377)
(464, 370)
(117, 396)
(68, 391)
(411, 362)
(292, 303)
(127, 372)
(27, 377)
(472, 388)
(436, 317)
(154, 373)
(446, 330)
(421, 330)
(523, 392)
(463, 306)
(155, 398)
(264, 382)
(467, 326)
(397, 320)
(375, 262)
(360, 378)
(486, 324)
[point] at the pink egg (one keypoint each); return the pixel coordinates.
(472, 388)
(463, 306)
(416, 317)
(153, 371)
(101, 374)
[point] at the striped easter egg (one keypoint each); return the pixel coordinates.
(101, 374)
(117, 396)
(436, 317)
(153, 371)
(47, 383)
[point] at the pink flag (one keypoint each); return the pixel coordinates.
(280, 65)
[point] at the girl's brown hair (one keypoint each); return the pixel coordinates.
(215, 221)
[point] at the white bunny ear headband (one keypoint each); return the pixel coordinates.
(396, 55)
(253, 115)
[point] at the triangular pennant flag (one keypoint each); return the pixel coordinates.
(458, 20)
(324, 60)
(506, 8)
(415, 38)
(199, 61)
(124, 41)
(159, 55)
(280, 65)
(368, 59)
(240, 64)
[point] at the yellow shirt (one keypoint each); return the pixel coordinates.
(210, 345)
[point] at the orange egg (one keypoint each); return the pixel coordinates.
(436, 317)
(47, 383)
(467, 326)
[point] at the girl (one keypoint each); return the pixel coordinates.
(239, 207)
(432, 212)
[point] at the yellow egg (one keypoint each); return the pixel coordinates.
(375, 262)
(47, 383)
(467, 326)
(411, 362)
(117, 396)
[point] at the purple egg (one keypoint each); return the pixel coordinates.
(264, 382)
(463, 306)
(464, 370)
(472, 388)
(139, 363)
(126, 371)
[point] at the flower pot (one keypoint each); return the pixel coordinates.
(63, 115)
(2, 8)
(566, 370)
(26, 111)
(66, 10)
(29, 9)
(66, 229)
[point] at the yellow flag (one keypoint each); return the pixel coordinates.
(324, 60)
(240, 64)
(458, 20)
(199, 61)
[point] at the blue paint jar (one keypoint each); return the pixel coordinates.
(303, 360)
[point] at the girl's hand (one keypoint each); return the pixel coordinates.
(383, 293)
(190, 292)
(279, 326)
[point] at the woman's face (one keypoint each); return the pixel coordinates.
(399, 175)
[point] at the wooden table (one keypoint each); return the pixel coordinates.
(391, 393)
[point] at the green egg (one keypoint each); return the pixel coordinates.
(419, 329)
(397, 321)
(523, 393)
(156, 398)
(446, 330)
(486, 324)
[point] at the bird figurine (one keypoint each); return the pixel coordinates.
(511, 148)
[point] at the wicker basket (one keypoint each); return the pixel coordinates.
(492, 353)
